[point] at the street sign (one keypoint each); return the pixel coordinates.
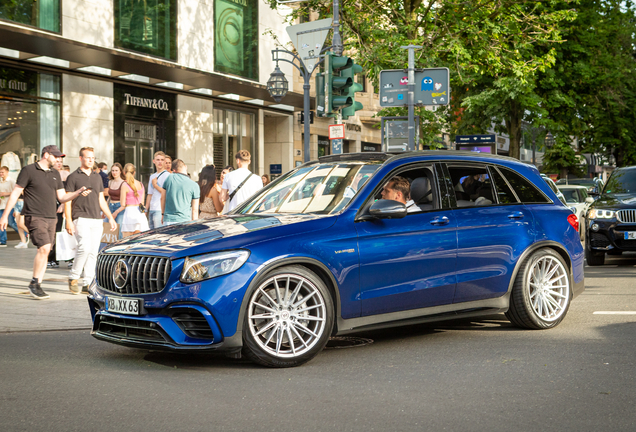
(432, 87)
(336, 131)
(472, 139)
(308, 39)
(395, 133)
(275, 168)
(336, 146)
(311, 117)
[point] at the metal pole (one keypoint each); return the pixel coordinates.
(337, 40)
(411, 101)
(306, 87)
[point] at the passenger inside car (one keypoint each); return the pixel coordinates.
(473, 186)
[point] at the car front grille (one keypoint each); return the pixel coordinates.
(193, 323)
(599, 240)
(626, 216)
(147, 274)
(130, 328)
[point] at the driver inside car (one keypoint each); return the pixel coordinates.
(399, 189)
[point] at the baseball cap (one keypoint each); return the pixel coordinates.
(53, 150)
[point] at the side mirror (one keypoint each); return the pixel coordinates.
(387, 209)
(589, 200)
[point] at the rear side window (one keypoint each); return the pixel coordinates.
(503, 191)
(525, 190)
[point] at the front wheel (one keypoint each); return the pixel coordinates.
(289, 318)
(541, 293)
(593, 258)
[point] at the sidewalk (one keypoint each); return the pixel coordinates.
(21, 312)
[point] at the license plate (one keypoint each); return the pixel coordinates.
(630, 235)
(123, 305)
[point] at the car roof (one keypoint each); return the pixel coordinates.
(562, 186)
(391, 157)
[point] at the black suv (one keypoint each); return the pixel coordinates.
(611, 220)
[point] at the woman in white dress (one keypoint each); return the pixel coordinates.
(131, 195)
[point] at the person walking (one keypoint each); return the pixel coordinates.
(240, 184)
(6, 187)
(41, 185)
(210, 191)
(83, 219)
(155, 187)
(131, 195)
(114, 193)
(52, 260)
(103, 172)
(226, 170)
(180, 200)
(265, 179)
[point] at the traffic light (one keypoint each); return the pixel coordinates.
(332, 86)
(350, 110)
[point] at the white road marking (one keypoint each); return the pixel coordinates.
(614, 313)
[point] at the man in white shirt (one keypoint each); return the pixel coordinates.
(240, 184)
(399, 189)
(153, 201)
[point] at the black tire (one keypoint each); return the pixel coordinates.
(289, 318)
(593, 258)
(535, 289)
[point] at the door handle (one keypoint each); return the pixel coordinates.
(440, 221)
(515, 215)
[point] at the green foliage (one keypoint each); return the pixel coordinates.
(561, 158)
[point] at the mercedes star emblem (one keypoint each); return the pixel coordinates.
(121, 273)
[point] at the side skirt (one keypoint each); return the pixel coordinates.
(424, 315)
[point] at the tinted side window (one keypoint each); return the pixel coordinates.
(503, 191)
(526, 191)
(472, 185)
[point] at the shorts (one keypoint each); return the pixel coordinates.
(41, 230)
(18, 207)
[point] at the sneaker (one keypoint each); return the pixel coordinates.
(3, 245)
(37, 292)
(85, 289)
(53, 264)
(21, 245)
(69, 264)
(74, 287)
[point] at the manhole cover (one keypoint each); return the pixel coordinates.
(338, 342)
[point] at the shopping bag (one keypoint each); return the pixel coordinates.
(109, 236)
(65, 246)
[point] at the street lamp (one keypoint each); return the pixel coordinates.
(277, 85)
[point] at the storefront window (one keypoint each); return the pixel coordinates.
(148, 26)
(236, 37)
(233, 131)
(44, 14)
(29, 116)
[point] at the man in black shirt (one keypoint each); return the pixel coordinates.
(42, 187)
(84, 220)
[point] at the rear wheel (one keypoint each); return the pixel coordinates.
(289, 318)
(541, 293)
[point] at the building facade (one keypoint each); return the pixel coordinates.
(131, 77)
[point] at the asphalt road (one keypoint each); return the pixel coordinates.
(480, 375)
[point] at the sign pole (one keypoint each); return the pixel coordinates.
(411, 95)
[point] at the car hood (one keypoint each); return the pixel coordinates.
(615, 201)
(225, 232)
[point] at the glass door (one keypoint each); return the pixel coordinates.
(139, 148)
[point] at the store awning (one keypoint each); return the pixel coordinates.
(31, 43)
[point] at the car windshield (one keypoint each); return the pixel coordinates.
(621, 181)
(322, 188)
(572, 195)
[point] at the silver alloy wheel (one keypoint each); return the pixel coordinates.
(287, 315)
(549, 288)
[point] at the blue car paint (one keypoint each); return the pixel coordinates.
(373, 275)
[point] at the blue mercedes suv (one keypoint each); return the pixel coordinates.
(344, 244)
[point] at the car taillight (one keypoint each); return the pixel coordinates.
(574, 221)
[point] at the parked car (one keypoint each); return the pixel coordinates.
(575, 198)
(319, 253)
(554, 188)
(594, 185)
(611, 219)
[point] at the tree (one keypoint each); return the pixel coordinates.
(591, 91)
(489, 46)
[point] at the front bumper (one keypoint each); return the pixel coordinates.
(609, 236)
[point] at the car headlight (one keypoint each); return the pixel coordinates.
(601, 214)
(201, 267)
